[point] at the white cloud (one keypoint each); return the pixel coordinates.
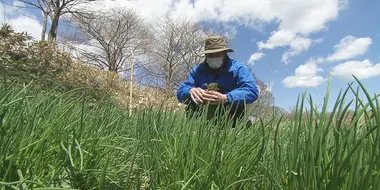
(20, 19)
(230, 30)
(149, 9)
(76, 49)
(307, 69)
(350, 47)
(296, 19)
(6, 10)
(306, 75)
(31, 25)
(278, 39)
(306, 17)
(302, 81)
(2, 13)
(318, 60)
(283, 38)
(297, 46)
(319, 40)
(298, 16)
(16, 4)
(255, 57)
(361, 69)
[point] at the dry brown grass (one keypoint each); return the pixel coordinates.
(105, 82)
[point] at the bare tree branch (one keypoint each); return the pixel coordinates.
(176, 45)
(114, 35)
(52, 11)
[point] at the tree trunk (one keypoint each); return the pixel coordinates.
(43, 34)
(52, 35)
(112, 66)
(168, 84)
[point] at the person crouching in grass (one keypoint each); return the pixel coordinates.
(219, 81)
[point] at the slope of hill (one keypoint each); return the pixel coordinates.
(23, 60)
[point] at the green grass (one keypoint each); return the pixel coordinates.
(63, 141)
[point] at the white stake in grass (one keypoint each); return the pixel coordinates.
(131, 87)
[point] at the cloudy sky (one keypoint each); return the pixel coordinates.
(293, 45)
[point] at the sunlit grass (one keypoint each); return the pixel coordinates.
(63, 141)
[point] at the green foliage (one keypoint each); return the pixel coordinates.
(213, 87)
(62, 141)
(23, 60)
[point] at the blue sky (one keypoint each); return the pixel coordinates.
(358, 19)
(302, 41)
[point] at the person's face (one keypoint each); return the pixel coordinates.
(215, 60)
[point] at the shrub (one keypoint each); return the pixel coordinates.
(24, 60)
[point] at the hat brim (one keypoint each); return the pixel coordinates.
(216, 51)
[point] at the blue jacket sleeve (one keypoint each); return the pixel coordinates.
(183, 93)
(247, 91)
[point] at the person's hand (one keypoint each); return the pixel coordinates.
(196, 95)
(214, 97)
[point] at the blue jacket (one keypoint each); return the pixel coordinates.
(233, 78)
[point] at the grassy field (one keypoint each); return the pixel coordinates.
(64, 141)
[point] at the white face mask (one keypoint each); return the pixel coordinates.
(215, 63)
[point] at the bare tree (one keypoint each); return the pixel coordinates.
(175, 49)
(112, 37)
(53, 10)
(264, 105)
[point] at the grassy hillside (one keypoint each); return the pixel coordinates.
(23, 60)
(63, 140)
